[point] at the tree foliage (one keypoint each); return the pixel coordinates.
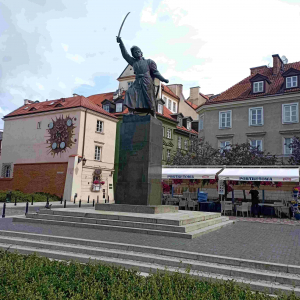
(202, 153)
(295, 156)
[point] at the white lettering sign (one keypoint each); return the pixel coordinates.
(221, 187)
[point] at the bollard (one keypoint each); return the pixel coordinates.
(32, 200)
(26, 209)
(108, 199)
(65, 203)
(15, 201)
(93, 202)
(97, 199)
(88, 198)
(61, 200)
(74, 199)
(80, 203)
(3, 210)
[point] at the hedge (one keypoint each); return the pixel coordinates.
(35, 277)
(22, 197)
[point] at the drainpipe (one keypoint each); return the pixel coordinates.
(84, 134)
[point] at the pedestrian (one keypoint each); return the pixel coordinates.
(255, 200)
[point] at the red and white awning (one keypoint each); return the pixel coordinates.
(190, 173)
(260, 174)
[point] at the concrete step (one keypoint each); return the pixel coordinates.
(81, 250)
(189, 235)
(176, 219)
(209, 258)
(134, 224)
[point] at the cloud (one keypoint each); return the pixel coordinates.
(51, 49)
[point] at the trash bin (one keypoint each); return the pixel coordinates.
(202, 197)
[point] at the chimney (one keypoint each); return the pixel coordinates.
(256, 70)
(277, 63)
(176, 89)
(194, 94)
(75, 95)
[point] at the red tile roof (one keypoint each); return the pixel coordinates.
(167, 90)
(242, 90)
(192, 105)
(98, 99)
(64, 103)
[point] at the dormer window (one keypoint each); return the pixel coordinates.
(106, 107)
(188, 125)
(180, 122)
(291, 82)
(291, 78)
(258, 87)
(160, 108)
(119, 107)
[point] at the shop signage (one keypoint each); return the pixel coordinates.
(181, 176)
(286, 178)
(221, 187)
(256, 178)
(205, 176)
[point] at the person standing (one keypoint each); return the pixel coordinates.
(255, 200)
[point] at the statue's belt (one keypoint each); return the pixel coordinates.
(147, 74)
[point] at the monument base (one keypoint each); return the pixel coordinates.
(141, 209)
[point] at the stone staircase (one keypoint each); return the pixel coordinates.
(271, 278)
(182, 224)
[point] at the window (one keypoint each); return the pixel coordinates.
(169, 104)
(174, 107)
(188, 125)
(169, 133)
(180, 122)
(166, 101)
(287, 143)
(99, 126)
(224, 145)
(255, 116)
(201, 122)
(160, 109)
(258, 87)
(168, 154)
(39, 124)
(106, 107)
(179, 142)
(6, 170)
(225, 119)
(291, 82)
(129, 83)
(185, 144)
(119, 107)
(257, 144)
(290, 113)
(97, 153)
(163, 131)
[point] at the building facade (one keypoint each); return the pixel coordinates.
(262, 109)
(59, 147)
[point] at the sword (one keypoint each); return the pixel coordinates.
(122, 25)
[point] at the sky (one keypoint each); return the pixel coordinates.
(50, 49)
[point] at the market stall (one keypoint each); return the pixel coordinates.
(265, 177)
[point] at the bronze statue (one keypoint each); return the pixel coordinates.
(140, 96)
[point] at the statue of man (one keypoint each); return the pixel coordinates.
(140, 96)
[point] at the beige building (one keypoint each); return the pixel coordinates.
(60, 147)
(262, 109)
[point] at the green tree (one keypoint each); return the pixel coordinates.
(295, 156)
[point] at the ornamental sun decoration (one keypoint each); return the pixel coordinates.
(61, 133)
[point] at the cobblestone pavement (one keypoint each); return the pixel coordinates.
(267, 220)
(248, 240)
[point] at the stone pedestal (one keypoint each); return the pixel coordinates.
(140, 161)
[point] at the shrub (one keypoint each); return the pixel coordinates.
(22, 197)
(34, 277)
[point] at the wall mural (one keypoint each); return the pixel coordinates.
(61, 134)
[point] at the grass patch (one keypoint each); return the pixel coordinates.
(22, 197)
(35, 277)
